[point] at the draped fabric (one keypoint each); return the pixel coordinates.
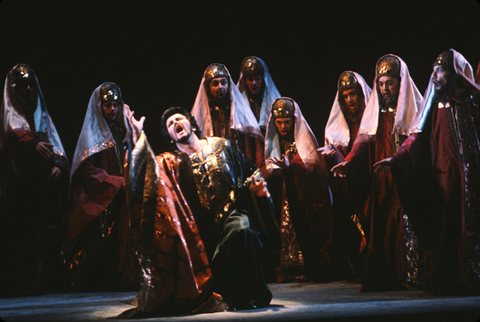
(477, 74)
(101, 177)
(174, 268)
(337, 131)
(302, 203)
(463, 68)
(243, 128)
(13, 117)
(32, 202)
(270, 93)
(196, 230)
(436, 171)
(98, 245)
(382, 213)
(96, 135)
(409, 100)
(241, 116)
(348, 230)
(383, 217)
(305, 141)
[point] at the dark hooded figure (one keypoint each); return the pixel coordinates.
(33, 184)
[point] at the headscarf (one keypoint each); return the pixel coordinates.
(270, 92)
(304, 138)
(337, 131)
(463, 69)
(242, 118)
(96, 135)
(408, 104)
(12, 116)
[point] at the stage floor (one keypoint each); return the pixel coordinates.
(339, 301)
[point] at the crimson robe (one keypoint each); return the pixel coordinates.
(439, 188)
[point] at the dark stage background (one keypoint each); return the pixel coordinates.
(156, 51)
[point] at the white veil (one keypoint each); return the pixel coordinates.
(95, 135)
(408, 105)
(337, 131)
(270, 92)
(242, 118)
(12, 116)
(305, 140)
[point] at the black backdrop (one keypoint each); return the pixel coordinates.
(156, 51)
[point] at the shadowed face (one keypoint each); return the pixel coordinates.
(353, 99)
(218, 87)
(110, 111)
(26, 91)
(284, 126)
(254, 83)
(440, 77)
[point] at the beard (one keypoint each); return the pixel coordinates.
(351, 116)
(389, 101)
(217, 101)
(449, 89)
(184, 139)
(255, 97)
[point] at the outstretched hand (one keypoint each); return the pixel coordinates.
(340, 170)
(45, 149)
(259, 187)
(383, 165)
(284, 163)
(327, 149)
(137, 126)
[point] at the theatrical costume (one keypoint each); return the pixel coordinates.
(301, 197)
(348, 201)
(437, 174)
(196, 226)
(230, 117)
(32, 202)
(382, 130)
(261, 103)
(98, 247)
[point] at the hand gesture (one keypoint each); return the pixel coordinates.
(340, 170)
(259, 187)
(327, 149)
(56, 172)
(45, 149)
(284, 163)
(383, 165)
(137, 126)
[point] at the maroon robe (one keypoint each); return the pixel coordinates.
(386, 266)
(348, 222)
(180, 240)
(307, 227)
(439, 189)
(99, 247)
(32, 215)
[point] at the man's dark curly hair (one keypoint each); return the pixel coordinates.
(177, 110)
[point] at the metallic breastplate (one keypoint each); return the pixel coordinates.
(213, 179)
(289, 146)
